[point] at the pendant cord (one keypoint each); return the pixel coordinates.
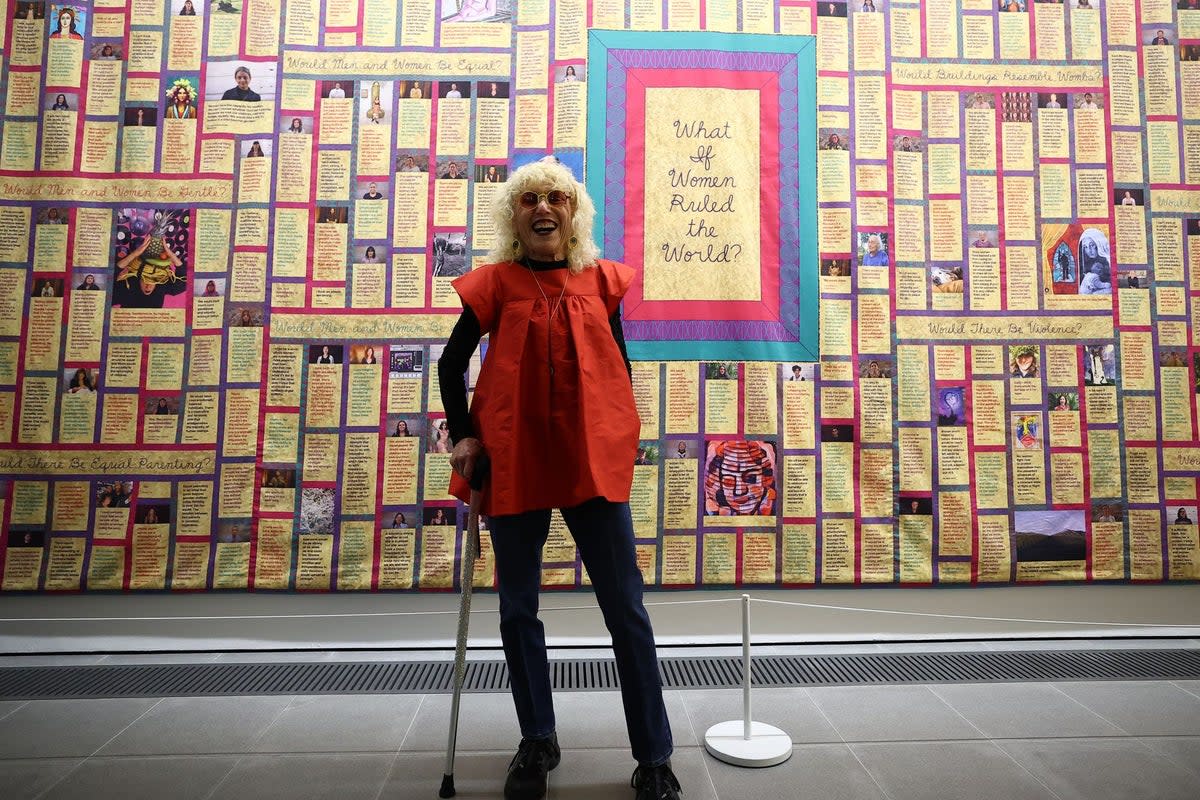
(550, 318)
(561, 294)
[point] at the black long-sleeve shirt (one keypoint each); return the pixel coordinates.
(464, 338)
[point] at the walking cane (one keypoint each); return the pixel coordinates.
(478, 476)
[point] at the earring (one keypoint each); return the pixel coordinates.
(516, 245)
(572, 243)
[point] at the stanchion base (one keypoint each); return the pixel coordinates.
(766, 747)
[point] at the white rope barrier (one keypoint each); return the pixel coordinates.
(970, 617)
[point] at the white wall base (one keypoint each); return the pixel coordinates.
(275, 621)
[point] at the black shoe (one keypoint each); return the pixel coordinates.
(656, 783)
(527, 771)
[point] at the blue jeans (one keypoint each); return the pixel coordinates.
(603, 531)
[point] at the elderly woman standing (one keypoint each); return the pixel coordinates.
(554, 408)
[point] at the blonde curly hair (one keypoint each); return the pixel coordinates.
(542, 176)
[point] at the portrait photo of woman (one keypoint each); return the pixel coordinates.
(439, 440)
(81, 381)
(1094, 268)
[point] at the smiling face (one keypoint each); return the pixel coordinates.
(242, 76)
(544, 227)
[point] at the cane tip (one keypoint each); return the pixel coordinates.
(447, 789)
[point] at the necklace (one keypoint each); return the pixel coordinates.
(561, 294)
(550, 318)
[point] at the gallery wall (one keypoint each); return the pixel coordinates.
(228, 231)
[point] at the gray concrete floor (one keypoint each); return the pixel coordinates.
(1008, 741)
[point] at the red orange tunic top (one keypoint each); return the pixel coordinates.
(553, 405)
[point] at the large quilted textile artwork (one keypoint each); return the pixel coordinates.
(228, 230)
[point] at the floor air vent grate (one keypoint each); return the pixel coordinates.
(434, 677)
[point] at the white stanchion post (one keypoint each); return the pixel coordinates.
(746, 667)
(745, 743)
